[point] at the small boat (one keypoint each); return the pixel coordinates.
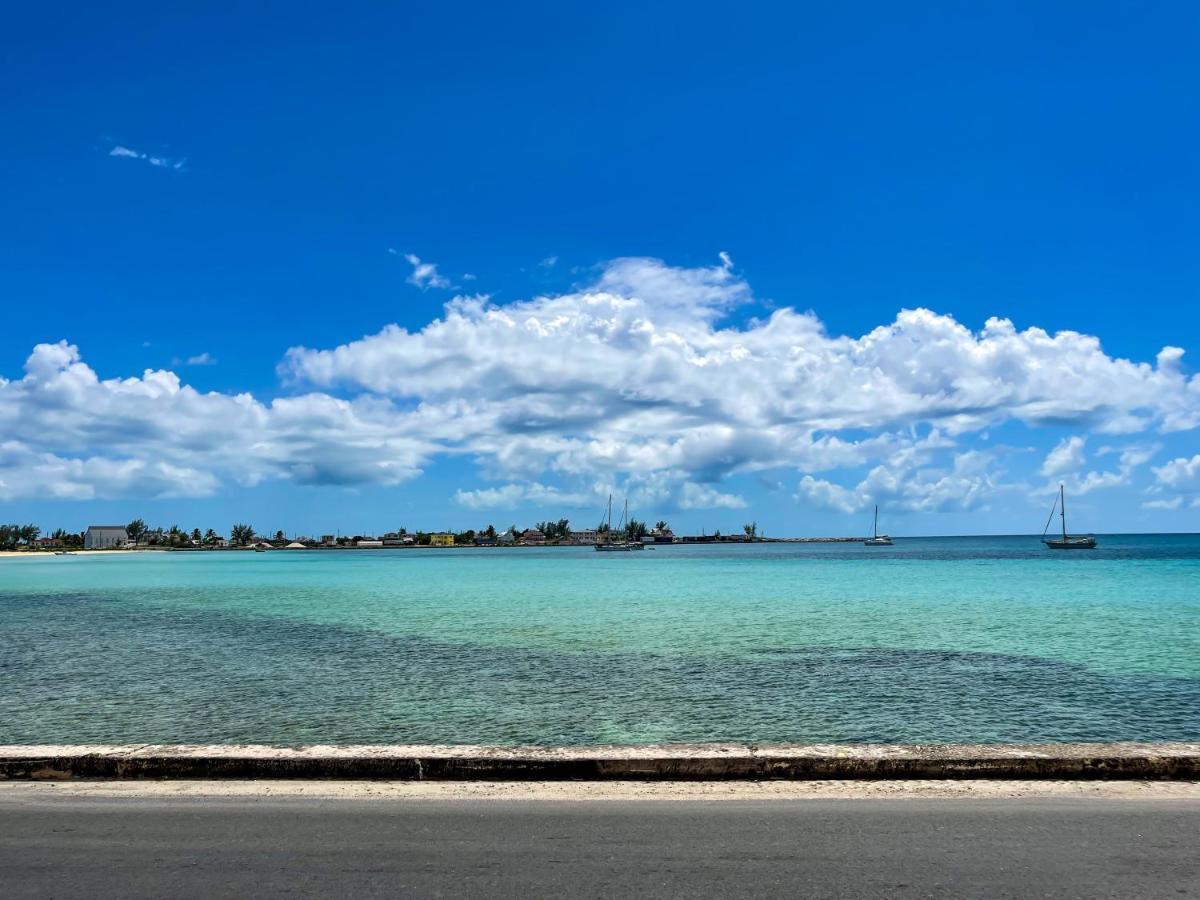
(1067, 541)
(606, 544)
(879, 540)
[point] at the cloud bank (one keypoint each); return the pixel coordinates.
(651, 377)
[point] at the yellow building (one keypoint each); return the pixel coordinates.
(441, 540)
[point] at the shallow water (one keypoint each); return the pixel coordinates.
(932, 640)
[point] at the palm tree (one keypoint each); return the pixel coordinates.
(210, 537)
(241, 534)
(660, 526)
(751, 529)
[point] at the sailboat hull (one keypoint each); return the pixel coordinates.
(1071, 543)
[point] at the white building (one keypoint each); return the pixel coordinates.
(102, 537)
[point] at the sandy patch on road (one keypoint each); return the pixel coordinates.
(614, 790)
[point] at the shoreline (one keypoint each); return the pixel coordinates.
(654, 763)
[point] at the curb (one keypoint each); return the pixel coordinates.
(698, 762)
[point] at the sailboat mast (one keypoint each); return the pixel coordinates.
(1062, 507)
(877, 520)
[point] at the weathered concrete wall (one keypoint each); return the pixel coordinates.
(667, 762)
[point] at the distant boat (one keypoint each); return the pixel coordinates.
(879, 540)
(1066, 542)
(605, 542)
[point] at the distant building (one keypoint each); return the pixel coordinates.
(441, 539)
(482, 540)
(533, 536)
(507, 538)
(585, 536)
(368, 543)
(103, 537)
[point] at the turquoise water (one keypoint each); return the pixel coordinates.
(934, 639)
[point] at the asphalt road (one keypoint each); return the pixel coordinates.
(460, 848)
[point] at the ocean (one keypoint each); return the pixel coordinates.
(981, 639)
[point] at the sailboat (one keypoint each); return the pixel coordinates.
(1066, 542)
(879, 540)
(605, 542)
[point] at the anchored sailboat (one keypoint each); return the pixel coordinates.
(605, 542)
(1066, 542)
(879, 540)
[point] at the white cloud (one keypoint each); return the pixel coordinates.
(1067, 456)
(68, 433)
(1180, 479)
(726, 260)
(512, 495)
(1066, 461)
(160, 162)
(201, 359)
(1180, 474)
(424, 274)
(650, 381)
(549, 262)
(911, 482)
(636, 373)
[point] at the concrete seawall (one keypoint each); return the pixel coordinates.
(678, 762)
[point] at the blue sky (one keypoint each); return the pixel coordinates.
(235, 196)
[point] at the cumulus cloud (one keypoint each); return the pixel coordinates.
(68, 433)
(512, 495)
(645, 370)
(652, 380)
(914, 479)
(1180, 480)
(1067, 456)
(160, 162)
(1066, 461)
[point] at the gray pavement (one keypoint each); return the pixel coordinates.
(223, 847)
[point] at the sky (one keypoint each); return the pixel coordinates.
(438, 265)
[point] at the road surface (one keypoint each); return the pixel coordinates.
(68, 846)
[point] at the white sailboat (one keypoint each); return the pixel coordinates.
(879, 540)
(605, 542)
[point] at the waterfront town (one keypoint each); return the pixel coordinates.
(136, 535)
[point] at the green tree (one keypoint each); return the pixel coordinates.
(279, 536)
(211, 537)
(29, 533)
(636, 529)
(136, 530)
(241, 534)
(196, 535)
(491, 532)
(660, 526)
(751, 529)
